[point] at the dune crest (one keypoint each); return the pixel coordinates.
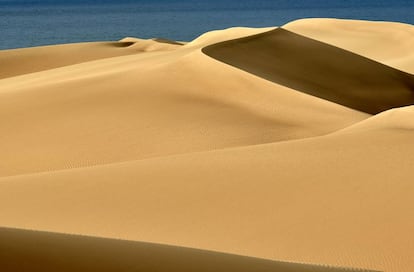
(216, 36)
(150, 104)
(387, 42)
(398, 119)
(17, 62)
(151, 44)
(318, 69)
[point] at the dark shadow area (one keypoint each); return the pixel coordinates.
(120, 44)
(162, 40)
(318, 69)
(23, 250)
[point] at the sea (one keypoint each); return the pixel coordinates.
(44, 22)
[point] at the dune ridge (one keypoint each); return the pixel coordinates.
(167, 145)
(30, 60)
(318, 69)
(390, 43)
(150, 104)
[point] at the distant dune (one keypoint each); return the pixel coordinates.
(29, 60)
(288, 146)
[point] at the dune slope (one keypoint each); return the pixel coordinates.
(22, 250)
(343, 199)
(16, 62)
(148, 105)
(386, 42)
(318, 69)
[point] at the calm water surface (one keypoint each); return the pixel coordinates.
(31, 23)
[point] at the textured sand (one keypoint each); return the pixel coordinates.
(169, 145)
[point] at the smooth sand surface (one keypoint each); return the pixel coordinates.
(29, 60)
(323, 200)
(149, 105)
(387, 42)
(22, 250)
(175, 147)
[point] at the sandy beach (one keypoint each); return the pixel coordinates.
(284, 149)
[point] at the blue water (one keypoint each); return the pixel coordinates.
(37, 22)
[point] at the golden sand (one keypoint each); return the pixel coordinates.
(291, 144)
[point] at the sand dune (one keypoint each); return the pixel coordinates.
(386, 42)
(20, 250)
(169, 144)
(148, 105)
(324, 200)
(318, 69)
(29, 60)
